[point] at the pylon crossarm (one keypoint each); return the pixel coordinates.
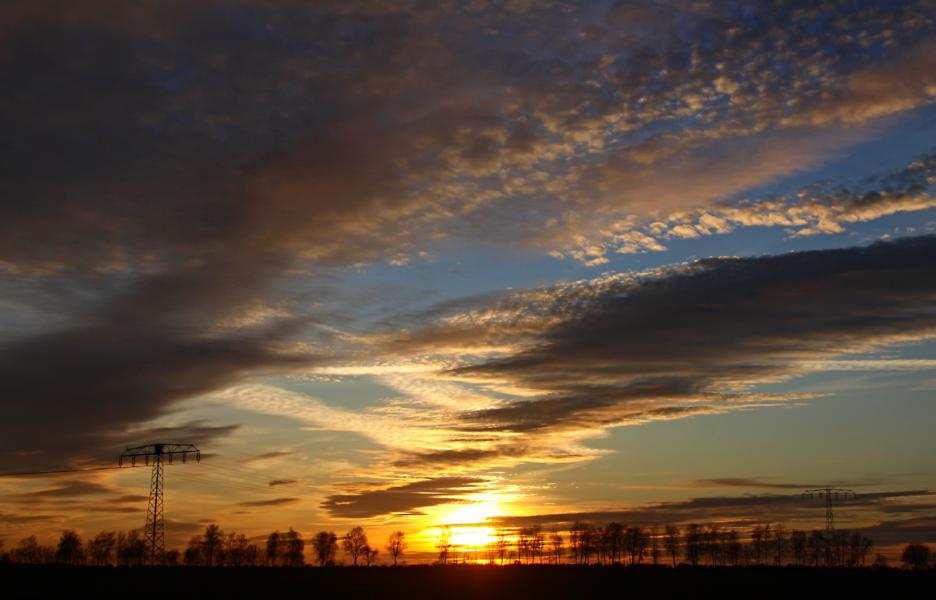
(168, 452)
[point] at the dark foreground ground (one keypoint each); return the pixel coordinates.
(450, 583)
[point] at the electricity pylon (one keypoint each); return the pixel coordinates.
(829, 494)
(154, 533)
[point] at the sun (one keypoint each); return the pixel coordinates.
(472, 513)
(468, 523)
(472, 536)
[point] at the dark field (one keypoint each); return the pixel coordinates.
(567, 582)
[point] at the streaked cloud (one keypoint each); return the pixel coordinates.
(402, 498)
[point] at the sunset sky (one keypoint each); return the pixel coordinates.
(401, 264)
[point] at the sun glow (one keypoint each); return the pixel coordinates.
(472, 537)
(467, 523)
(472, 513)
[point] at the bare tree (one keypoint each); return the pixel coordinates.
(396, 545)
(193, 553)
(816, 545)
(654, 535)
(555, 545)
(325, 546)
(614, 540)
(671, 542)
(212, 542)
(273, 548)
(444, 544)
(370, 555)
(916, 556)
(731, 547)
(29, 551)
(536, 542)
(799, 546)
(523, 542)
(693, 543)
(235, 549)
(171, 558)
(635, 542)
(503, 544)
(101, 548)
(582, 541)
(780, 544)
(294, 554)
(353, 543)
(131, 548)
(70, 550)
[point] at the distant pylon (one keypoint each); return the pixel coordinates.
(829, 494)
(154, 533)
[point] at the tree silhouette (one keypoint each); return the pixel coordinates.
(211, 544)
(555, 546)
(172, 558)
(131, 548)
(671, 542)
(396, 545)
(444, 543)
(613, 542)
(502, 543)
(582, 541)
(70, 550)
(370, 555)
(325, 546)
(815, 545)
(293, 554)
(29, 551)
(353, 543)
(194, 553)
(101, 548)
(693, 544)
(654, 536)
(273, 548)
(916, 556)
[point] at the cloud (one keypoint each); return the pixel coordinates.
(401, 498)
(72, 488)
(174, 173)
(272, 455)
(734, 510)
(271, 502)
(562, 364)
(752, 483)
(278, 482)
(702, 336)
(812, 211)
(904, 83)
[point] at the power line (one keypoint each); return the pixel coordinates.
(58, 472)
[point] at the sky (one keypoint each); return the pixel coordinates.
(404, 264)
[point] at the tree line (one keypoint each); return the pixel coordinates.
(213, 548)
(696, 544)
(583, 544)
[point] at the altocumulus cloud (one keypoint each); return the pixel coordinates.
(693, 339)
(707, 333)
(172, 167)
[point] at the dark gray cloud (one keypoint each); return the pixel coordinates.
(278, 482)
(72, 488)
(270, 502)
(402, 498)
(695, 339)
(268, 455)
(167, 169)
(739, 510)
(745, 482)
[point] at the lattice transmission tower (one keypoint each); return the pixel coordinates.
(154, 533)
(830, 495)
